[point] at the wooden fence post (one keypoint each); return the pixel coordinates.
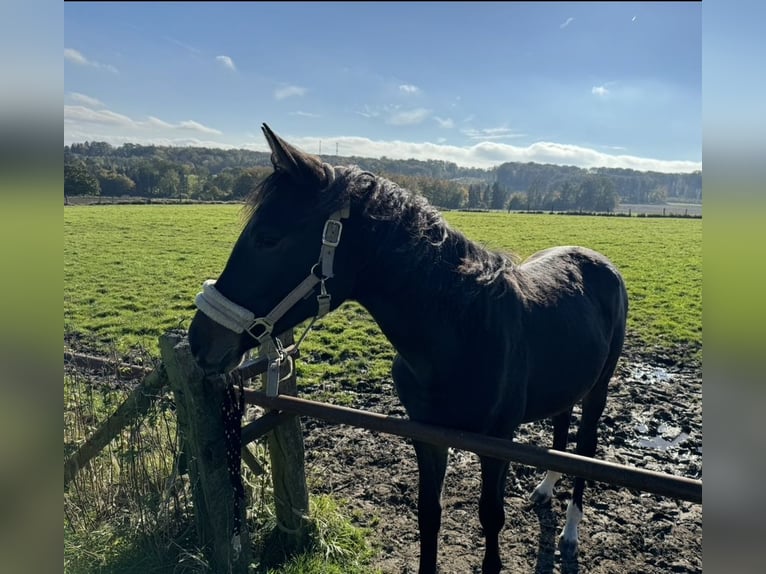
(288, 468)
(199, 402)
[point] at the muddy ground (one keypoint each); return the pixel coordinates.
(653, 420)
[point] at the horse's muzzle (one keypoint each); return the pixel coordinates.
(216, 349)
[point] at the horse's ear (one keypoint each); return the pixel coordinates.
(303, 168)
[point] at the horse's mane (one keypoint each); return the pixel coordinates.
(404, 221)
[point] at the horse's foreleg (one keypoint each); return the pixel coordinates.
(491, 511)
(432, 465)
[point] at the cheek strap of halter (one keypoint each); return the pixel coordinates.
(239, 319)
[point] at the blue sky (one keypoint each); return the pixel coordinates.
(587, 84)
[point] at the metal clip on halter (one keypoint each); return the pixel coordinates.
(275, 355)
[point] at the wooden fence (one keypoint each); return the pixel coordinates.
(199, 400)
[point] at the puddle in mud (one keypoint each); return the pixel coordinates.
(663, 438)
(660, 443)
(650, 373)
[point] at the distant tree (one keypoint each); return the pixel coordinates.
(568, 196)
(475, 198)
(499, 196)
(79, 181)
(659, 194)
(517, 201)
(115, 184)
(169, 184)
(535, 194)
(247, 182)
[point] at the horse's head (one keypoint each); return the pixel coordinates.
(289, 255)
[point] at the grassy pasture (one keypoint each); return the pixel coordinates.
(131, 272)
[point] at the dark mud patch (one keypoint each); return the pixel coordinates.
(653, 420)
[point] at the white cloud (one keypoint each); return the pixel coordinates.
(76, 57)
(197, 127)
(159, 123)
(368, 112)
(488, 154)
(288, 91)
(183, 45)
(409, 89)
(409, 117)
(85, 100)
(79, 119)
(599, 91)
(304, 114)
(566, 23)
(445, 122)
(104, 117)
(226, 62)
(491, 133)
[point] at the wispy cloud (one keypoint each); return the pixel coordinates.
(83, 118)
(76, 57)
(408, 117)
(566, 23)
(104, 117)
(497, 133)
(159, 123)
(288, 92)
(368, 112)
(445, 122)
(226, 62)
(409, 89)
(304, 114)
(197, 127)
(183, 45)
(599, 91)
(85, 100)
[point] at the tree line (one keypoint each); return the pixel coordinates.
(97, 168)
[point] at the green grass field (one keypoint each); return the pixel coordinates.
(131, 273)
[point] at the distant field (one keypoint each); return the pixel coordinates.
(131, 273)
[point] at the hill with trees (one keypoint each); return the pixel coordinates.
(196, 173)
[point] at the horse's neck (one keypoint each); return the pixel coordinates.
(409, 297)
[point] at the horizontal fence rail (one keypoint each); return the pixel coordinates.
(547, 459)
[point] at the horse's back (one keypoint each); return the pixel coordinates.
(575, 315)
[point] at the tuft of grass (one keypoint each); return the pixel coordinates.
(336, 546)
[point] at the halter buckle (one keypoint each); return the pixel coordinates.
(331, 232)
(264, 324)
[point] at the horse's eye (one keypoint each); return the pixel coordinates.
(265, 240)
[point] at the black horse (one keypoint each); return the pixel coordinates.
(483, 343)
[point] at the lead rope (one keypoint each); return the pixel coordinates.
(233, 408)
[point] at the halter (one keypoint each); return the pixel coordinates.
(240, 319)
